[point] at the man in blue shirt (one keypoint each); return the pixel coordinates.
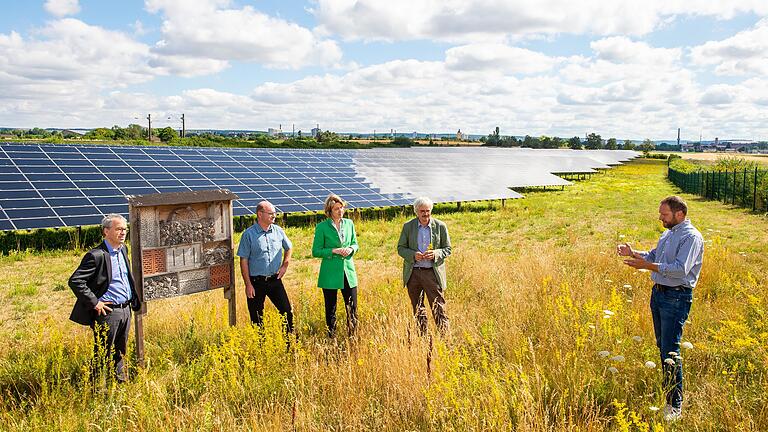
(106, 293)
(265, 253)
(676, 265)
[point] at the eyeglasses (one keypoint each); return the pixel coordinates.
(269, 213)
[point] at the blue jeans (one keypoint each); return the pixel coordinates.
(669, 309)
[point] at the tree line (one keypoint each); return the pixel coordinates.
(593, 141)
(138, 135)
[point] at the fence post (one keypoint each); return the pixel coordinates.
(744, 189)
(725, 195)
(754, 193)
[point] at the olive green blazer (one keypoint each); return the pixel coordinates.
(408, 245)
(334, 266)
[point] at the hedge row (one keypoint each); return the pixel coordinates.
(87, 237)
(50, 239)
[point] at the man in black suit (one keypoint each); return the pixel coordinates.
(106, 293)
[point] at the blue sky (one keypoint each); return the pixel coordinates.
(560, 68)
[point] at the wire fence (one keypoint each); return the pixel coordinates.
(744, 188)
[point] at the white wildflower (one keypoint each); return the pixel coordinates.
(608, 281)
(608, 312)
(650, 365)
(637, 338)
(612, 370)
(669, 361)
(627, 286)
(618, 358)
(687, 345)
(606, 316)
(604, 354)
(653, 408)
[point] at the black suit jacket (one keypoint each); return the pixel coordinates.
(91, 280)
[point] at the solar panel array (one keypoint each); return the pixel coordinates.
(73, 185)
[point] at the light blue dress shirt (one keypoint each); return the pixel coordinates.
(119, 290)
(679, 254)
(423, 241)
(263, 249)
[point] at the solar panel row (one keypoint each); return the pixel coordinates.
(70, 185)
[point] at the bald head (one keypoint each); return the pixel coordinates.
(265, 214)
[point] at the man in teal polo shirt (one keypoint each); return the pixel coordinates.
(265, 253)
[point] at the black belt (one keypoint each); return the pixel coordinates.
(261, 278)
(422, 268)
(119, 306)
(664, 288)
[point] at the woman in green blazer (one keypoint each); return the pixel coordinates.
(336, 242)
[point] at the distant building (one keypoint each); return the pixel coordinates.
(274, 132)
(459, 136)
(718, 145)
(315, 131)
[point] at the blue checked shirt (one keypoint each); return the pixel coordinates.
(679, 255)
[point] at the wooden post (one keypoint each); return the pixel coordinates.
(138, 276)
(230, 292)
(138, 320)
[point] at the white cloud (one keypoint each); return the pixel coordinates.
(622, 50)
(463, 20)
(62, 8)
(70, 57)
(138, 28)
(186, 67)
(745, 53)
(500, 57)
(719, 94)
(57, 76)
(210, 30)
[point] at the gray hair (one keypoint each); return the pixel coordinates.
(106, 223)
(422, 202)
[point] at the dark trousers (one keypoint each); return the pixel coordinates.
(110, 341)
(424, 281)
(349, 294)
(274, 289)
(669, 309)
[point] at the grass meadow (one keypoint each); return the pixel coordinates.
(535, 293)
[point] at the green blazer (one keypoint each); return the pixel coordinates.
(334, 266)
(408, 245)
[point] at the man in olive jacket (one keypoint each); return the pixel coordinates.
(106, 293)
(424, 245)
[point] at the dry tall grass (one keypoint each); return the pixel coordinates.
(529, 287)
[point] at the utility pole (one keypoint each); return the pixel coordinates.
(183, 127)
(293, 130)
(149, 130)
